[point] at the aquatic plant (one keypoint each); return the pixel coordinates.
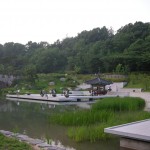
(88, 133)
(95, 132)
(119, 104)
(82, 117)
(89, 124)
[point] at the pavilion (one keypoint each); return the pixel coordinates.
(98, 86)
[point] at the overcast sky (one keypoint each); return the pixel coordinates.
(48, 20)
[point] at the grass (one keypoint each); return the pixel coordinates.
(81, 118)
(95, 132)
(88, 133)
(7, 143)
(88, 125)
(42, 83)
(140, 80)
(120, 104)
(72, 80)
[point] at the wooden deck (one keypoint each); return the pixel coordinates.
(58, 98)
(135, 135)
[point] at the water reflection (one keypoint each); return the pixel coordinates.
(32, 119)
(18, 103)
(51, 106)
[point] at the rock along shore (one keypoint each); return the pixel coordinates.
(37, 144)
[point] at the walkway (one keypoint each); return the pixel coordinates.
(143, 95)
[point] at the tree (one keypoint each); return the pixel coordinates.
(77, 69)
(146, 81)
(119, 68)
(90, 51)
(2, 69)
(30, 73)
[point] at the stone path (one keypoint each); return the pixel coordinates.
(145, 96)
(37, 144)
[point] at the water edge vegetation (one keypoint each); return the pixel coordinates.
(12, 144)
(88, 125)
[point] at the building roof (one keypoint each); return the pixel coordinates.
(98, 81)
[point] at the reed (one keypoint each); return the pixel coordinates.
(88, 125)
(88, 133)
(119, 104)
(122, 118)
(95, 132)
(102, 111)
(82, 117)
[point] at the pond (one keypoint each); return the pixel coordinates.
(32, 119)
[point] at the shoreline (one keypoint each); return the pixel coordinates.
(36, 144)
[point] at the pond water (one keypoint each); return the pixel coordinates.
(32, 119)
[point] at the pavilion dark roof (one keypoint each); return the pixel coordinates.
(98, 81)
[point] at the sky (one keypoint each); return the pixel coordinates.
(49, 20)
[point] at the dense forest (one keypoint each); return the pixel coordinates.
(89, 52)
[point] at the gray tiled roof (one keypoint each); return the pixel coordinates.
(98, 81)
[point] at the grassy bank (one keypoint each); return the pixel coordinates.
(139, 80)
(71, 80)
(89, 124)
(42, 82)
(12, 144)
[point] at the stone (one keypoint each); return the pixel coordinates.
(6, 132)
(35, 141)
(22, 137)
(51, 148)
(63, 79)
(42, 145)
(51, 83)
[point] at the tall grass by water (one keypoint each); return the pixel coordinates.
(120, 104)
(95, 132)
(82, 117)
(90, 124)
(88, 133)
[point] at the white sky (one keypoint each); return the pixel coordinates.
(49, 20)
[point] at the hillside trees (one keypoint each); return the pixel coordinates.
(91, 51)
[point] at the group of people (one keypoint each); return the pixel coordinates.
(44, 93)
(101, 91)
(109, 88)
(65, 92)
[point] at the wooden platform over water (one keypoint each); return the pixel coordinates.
(58, 98)
(135, 135)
